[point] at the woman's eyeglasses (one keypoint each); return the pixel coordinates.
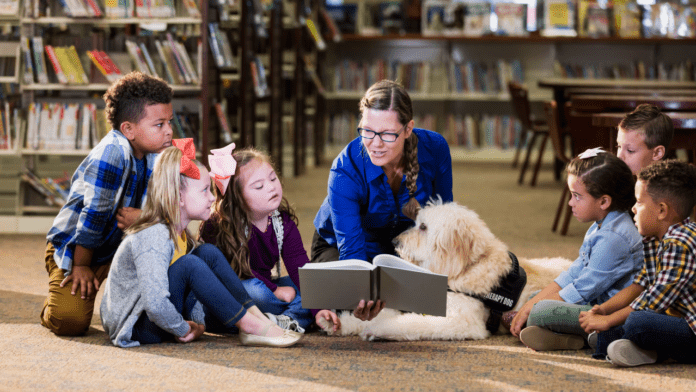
(387, 137)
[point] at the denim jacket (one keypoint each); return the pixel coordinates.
(609, 258)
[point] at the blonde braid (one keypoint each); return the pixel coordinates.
(412, 168)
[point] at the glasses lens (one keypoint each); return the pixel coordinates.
(389, 137)
(367, 134)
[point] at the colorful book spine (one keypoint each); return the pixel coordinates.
(39, 60)
(28, 75)
(50, 52)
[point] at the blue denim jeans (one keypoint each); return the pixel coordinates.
(269, 303)
(670, 336)
(202, 275)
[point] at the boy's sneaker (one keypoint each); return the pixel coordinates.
(541, 339)
(592, 340)
(285, 322)
(624, 352)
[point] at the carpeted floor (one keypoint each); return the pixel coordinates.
(34, 359)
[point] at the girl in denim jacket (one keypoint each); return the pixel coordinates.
(602, 191)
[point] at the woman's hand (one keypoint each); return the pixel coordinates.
(285, 293)
(367, 312)
(329, 316)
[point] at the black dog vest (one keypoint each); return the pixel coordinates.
(505, 296)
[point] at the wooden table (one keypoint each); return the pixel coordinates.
(626, 103)
(559, 85)
(684, 129)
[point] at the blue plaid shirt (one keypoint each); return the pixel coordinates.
(104, 182)
(361, 215)
(669, 273)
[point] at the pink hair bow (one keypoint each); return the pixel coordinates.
(188, 167)
(222, 166)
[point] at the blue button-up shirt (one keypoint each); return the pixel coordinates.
(361, 215)
(106, 180)
(610, 256)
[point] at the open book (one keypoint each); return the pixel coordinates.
(400, 284)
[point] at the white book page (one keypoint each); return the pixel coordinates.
(351, 264)
(396, 262)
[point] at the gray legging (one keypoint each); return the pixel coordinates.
(558, 316)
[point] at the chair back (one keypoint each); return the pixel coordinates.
(554, 121)
(520, 103)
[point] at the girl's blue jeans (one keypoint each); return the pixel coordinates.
(269, 303)
(202, 275)
(669, 336)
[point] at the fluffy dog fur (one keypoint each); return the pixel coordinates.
(452, 240)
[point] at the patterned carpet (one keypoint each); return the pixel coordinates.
(35, 360)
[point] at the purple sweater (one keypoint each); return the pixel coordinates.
(263, 249)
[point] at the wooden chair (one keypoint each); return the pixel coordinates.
(537, 128)
(557, 137)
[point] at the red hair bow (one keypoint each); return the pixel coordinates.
(222, 166)
(188, 167)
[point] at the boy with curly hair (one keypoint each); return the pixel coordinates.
(106, 193)
(655, 317)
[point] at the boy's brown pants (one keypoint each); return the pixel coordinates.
(63, 313)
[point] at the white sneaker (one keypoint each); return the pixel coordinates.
(285, 322)
(624, 352)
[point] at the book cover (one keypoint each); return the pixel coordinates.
(224, 124)
(345, 16)
(391, 17)
(596, 21)
(627, 19)
(28, 74)
(331, 25)
(401, 285)
(477, 19)
(559, 18)
(433, 17)
(53, 57)
(511, 19)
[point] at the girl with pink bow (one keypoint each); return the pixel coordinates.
(165, 286)
(254, 226)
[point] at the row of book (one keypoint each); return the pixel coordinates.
(109, 8)
(426, 77)
(9, 125)
(468, 131)
(173, 56)
(67, 66)
(683, 71)
(54, 190)
(473, 19)
(71, 126)
(220, 46)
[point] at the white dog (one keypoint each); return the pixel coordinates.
(452, 240)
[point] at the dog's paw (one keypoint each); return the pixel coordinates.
(327, 326)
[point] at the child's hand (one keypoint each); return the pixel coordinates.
(329, 316)
(195, 332)
(82, 278)
(590, 321)
(126, 216)
(285, 293)
(520, 319)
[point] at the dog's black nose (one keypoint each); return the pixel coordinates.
(395, 242)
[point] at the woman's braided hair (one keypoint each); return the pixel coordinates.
(390, 95)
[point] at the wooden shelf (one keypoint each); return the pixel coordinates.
(74, 153)
(108, 21)
(502, 39)
(450, 97)
(96, 87)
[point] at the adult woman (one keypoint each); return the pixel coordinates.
(380, 180)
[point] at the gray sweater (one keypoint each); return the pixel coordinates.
(138, 282)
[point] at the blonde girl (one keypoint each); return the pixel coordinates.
(254, 226)
(162, 286)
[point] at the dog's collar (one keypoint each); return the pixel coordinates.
(504, 296)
